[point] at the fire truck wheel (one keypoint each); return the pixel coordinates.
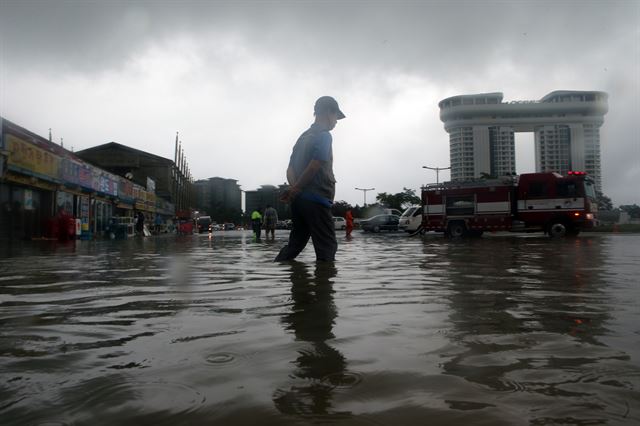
(557, 230)
(456, 230)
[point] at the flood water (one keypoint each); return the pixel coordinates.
(502, 330)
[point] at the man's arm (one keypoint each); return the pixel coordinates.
(291, 176)
(298, 185)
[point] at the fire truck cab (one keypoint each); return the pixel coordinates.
(555, 204)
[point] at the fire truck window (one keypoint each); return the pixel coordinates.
(566, 189)
(589, 190)
(538, 189)
(460, 205)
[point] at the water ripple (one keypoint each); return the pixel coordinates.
(192, 330)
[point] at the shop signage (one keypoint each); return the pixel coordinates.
(27, 156)
(84, 213)
(75, 172)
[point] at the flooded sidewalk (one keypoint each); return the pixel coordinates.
(501, 330)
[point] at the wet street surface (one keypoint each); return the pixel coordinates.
(501, 330)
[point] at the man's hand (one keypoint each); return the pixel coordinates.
(288, 195)
(304, 179)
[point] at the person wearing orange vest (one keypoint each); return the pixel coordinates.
(349, 218)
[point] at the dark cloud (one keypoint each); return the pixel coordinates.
(458, 37)
(215, 65)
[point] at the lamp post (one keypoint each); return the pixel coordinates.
(365, 193)
(437, 169)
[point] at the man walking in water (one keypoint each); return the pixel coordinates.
(310, 174)
(269, 221)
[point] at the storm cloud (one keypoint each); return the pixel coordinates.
(238, 79)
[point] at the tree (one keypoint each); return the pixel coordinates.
(485, 175)
(632, 209)
(399, 201)
(358, 211)
(340, 208)
(604, 202)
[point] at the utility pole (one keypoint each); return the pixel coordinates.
(365, 193)
(437, 169)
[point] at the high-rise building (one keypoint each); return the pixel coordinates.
(566, 127)
(267, 195)
(221, 198)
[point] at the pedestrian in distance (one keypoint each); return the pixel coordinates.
(312, 186)
(269, 222)
(256, 223)
(348, 217)
(140, 223)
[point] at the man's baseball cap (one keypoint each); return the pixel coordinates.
(327, 103)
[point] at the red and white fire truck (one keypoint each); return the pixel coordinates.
(557, 205)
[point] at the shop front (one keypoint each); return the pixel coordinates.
(27, 209)
(100, 216)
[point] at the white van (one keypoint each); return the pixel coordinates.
(411, 219)
(339, 222)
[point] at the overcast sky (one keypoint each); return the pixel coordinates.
(238, 79)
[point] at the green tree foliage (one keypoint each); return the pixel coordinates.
(358, 211)
(340, 208)
(399, 201)
(604, 202)
(632, 209)
(485, 175)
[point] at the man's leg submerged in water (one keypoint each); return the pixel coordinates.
(322, 231)
(299, 236)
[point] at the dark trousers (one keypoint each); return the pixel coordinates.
(310, 220)
(256, 225)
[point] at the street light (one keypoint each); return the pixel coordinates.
(437, 169)
(365, 193)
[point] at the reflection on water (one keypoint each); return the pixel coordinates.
(320, 367)
(191, 330)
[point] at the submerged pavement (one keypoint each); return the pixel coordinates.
(191, 330)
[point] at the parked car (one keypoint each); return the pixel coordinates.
(229, 226)
(393, 211)
(204, 224)
(411, 219)
(339, 222)
(381, 222)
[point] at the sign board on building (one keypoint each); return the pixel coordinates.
(29, 157)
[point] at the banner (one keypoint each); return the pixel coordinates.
(29, 157)
(72, 171)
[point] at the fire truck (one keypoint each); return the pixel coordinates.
(548, 202)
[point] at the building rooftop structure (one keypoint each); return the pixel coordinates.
(171, 181)
(565, 124)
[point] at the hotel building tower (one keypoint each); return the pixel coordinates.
(566, 127)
